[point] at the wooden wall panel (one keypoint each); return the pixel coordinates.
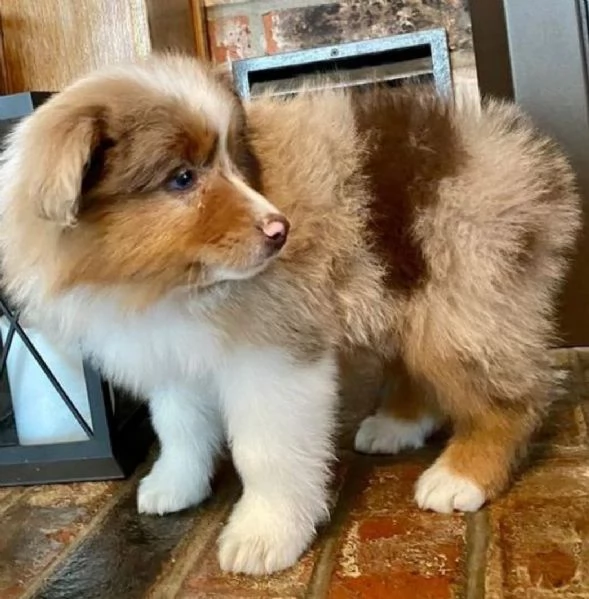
(171, 25)
(201, 38)
(47, 43)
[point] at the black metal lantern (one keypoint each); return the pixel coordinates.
(422, 55)
(60, 421)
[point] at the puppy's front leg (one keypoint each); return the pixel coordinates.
(190, 431)
(280, 419)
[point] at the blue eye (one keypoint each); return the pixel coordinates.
(182, 180)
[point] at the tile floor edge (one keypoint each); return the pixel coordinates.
(477, 543)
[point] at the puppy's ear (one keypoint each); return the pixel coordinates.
(56, 149)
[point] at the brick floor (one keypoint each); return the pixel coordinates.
(86, 541)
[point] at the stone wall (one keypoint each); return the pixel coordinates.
(241, 29)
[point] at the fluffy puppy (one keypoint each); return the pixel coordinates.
(216, 258)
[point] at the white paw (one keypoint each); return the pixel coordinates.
(163, 491)
(385, 434)
(261, 539)
(440, 490)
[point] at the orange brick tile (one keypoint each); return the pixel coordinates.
(565, 476)
(540, 548)
(391, 549)
(539, 539)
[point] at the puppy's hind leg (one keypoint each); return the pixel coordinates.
(405, 418)
(492, 427)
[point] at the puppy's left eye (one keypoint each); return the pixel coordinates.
(182, 180)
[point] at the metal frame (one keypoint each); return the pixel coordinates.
(434, 42)
(113, 447)
(535, 52)
(17, 106)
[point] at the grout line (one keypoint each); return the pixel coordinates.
(127, 487)
(191, 551)
(321, 576)
(581, 423)
(141, 34)
(13, 498)
(477, 543)
(578, 375)
(577, 388)
(257, 34)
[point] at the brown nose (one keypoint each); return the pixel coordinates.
(275, 227)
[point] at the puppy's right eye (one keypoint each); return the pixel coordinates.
(182, 180)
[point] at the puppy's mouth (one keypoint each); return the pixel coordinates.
(238, 258)
(201, 276)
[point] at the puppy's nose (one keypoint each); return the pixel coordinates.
(275, 227)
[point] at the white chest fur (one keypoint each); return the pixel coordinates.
(170, 342)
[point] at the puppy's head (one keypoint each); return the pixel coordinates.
(138, 174)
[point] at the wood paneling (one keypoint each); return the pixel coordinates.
(171, 25)
(200, 29)
(47, 43)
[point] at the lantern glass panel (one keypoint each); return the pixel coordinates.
(38, 412)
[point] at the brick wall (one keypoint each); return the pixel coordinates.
(240, 29)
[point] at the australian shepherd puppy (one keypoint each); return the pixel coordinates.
(216, 258)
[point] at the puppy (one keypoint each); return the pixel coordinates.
(216, 258)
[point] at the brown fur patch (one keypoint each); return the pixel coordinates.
(478, 332)
(528, 248)
(409, 151)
